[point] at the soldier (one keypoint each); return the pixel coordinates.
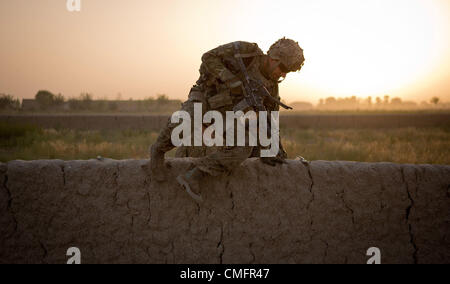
(220, 87)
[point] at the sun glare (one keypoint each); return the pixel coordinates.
(374, 48)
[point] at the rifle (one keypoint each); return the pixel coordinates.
(254, 90)
(254, 94)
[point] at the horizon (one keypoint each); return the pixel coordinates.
(351, 48)
(359, 100)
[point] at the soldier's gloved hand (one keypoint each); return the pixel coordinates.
(272, 161)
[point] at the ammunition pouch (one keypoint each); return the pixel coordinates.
(196, 95)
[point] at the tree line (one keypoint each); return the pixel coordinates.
(46, 100)
(385, 102)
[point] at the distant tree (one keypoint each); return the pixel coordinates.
(162, 99)
(434, 100)
(59, 99)
(386, 99)
(396, 101)
(330, 100)
(8, 101)
(369, 101)
(86, 97)
(45, 99)
(86, 100)
(378, 101)
(150, 98)
(149, 102)
(75, 104)
(82, 102)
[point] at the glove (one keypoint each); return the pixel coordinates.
(272, 161)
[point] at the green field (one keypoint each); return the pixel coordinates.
(399, 145)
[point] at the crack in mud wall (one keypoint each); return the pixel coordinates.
(322, 212)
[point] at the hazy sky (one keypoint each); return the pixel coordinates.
(141, 47)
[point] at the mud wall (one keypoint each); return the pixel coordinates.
(327, 212)
(156, 122)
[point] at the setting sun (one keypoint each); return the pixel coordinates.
(376, 52)
(361, 48)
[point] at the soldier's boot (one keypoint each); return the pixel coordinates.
(157, 167)
(191, 181)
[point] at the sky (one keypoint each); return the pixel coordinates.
(141, 48)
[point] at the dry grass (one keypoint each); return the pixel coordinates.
(36, 143)
(401, 145)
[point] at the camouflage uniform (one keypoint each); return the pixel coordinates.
(220, 88)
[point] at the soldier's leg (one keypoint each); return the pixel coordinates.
(191, 151)
(224, 160)
(163, 143)
(217, 161)
(221, 161)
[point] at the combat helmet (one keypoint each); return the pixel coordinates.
(288, 52)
